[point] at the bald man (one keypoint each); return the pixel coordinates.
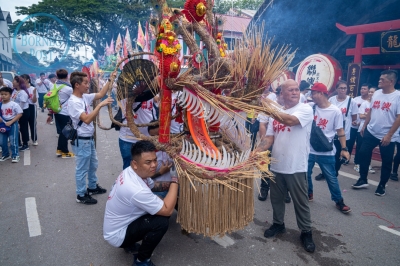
(290, 134)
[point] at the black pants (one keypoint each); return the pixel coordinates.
(61, 122)
(352, 140)
(396, 160)
(24, 127)
(148, 228)
(32, 121)
(387, 152)
(253, 129)
(359, 143)
(41, 96)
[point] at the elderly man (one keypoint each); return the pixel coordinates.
(133, 212)
(290, 134)
(381, 128)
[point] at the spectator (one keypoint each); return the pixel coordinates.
(396, 161)
(20, 95)
(62, 118)
(304, 89)
(43, 86)
(10, 112)
(133, 213)
(82, 118)
(380, 129)
(32, 107)
(52, 80)
(363, 110)
(5, 82)
(330, 120)
(290, 134)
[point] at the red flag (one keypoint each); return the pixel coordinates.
(125, 52)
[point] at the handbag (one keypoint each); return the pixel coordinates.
(69, 131)
(319, 142)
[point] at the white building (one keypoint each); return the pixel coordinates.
(6, 62)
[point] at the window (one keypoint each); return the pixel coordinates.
(7, 47)
(3, 43)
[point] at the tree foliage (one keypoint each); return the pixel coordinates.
(98, 20)
(223, 6)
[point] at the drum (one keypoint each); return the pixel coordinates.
(285, 75)
(320, 68)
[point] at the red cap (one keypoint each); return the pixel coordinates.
(319, 87)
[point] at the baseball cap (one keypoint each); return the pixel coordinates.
(319, 87)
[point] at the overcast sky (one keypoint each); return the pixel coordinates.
(10, 7)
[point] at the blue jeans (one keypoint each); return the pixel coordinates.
(125, 149)
(86, 164)
(327, 165)
(13, 134)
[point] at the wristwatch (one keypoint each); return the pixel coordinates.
(345, 149)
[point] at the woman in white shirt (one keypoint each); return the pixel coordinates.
(20, 96)
(33, 96)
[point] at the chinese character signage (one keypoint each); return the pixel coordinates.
(390, 42)
(353, 79)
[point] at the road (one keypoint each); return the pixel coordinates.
(41, 223)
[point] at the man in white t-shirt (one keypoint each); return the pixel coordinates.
(304, 89)
(290, 134)
(84, 147)
(381, 128)
(43, 85)
(133, 213)
(330, 120)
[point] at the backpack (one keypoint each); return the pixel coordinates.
(51, 100)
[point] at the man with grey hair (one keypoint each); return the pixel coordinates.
(290, 134)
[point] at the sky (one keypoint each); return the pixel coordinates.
(10, 7)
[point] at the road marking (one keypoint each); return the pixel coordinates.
(224, 241)
(355, 177)
(390, 230)
(32, 217)
(27, 157)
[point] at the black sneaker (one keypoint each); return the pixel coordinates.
(361, 183)
(24, 148)
(147, 262)
(3, 158)
(288, 199)
(320, 177)
(86, 199)
(394, 177)
(97, 190)
(308, 243)
(133, 250)
(342, 207)
(380, 191)
(263, 194)
(274, 230)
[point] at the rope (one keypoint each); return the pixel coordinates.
(377, 216)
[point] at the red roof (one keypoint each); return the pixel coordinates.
(235, 24)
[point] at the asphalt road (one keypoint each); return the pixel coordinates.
(63, 232)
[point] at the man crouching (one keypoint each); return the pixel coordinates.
(133, 213)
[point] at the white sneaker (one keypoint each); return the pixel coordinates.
(370, 170)
(15, 159)
(52, 122)
(35, 143)
(357, 167)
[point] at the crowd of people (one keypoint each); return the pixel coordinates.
(145, 193)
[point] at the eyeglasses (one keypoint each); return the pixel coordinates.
(342, 88)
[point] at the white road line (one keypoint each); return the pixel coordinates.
(390, 230)
(27, 157)
(32, 217)
(355, 177)
(224, 241)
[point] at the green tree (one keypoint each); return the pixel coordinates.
(223, 6)
(90, 22)
(26, 67)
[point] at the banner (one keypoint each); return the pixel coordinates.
(140, 38)
(128, 42)
(353, 78)
(118, 44)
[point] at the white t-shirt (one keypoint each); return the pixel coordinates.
(143, 115)
(353, 110)
(63, 95)
(21, 98)
(8, 83)
(130, 198)
(77, 106)
(359, 101)
(162, 157)
(329, 120)
(272, 96)
(291, 143)
(45, 87)
(364, 108)
(303, 98)
(30, 90)
(384, 109)
(262, 118)
(10, 110)
(176, 127)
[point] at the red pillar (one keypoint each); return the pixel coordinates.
(358, 49)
